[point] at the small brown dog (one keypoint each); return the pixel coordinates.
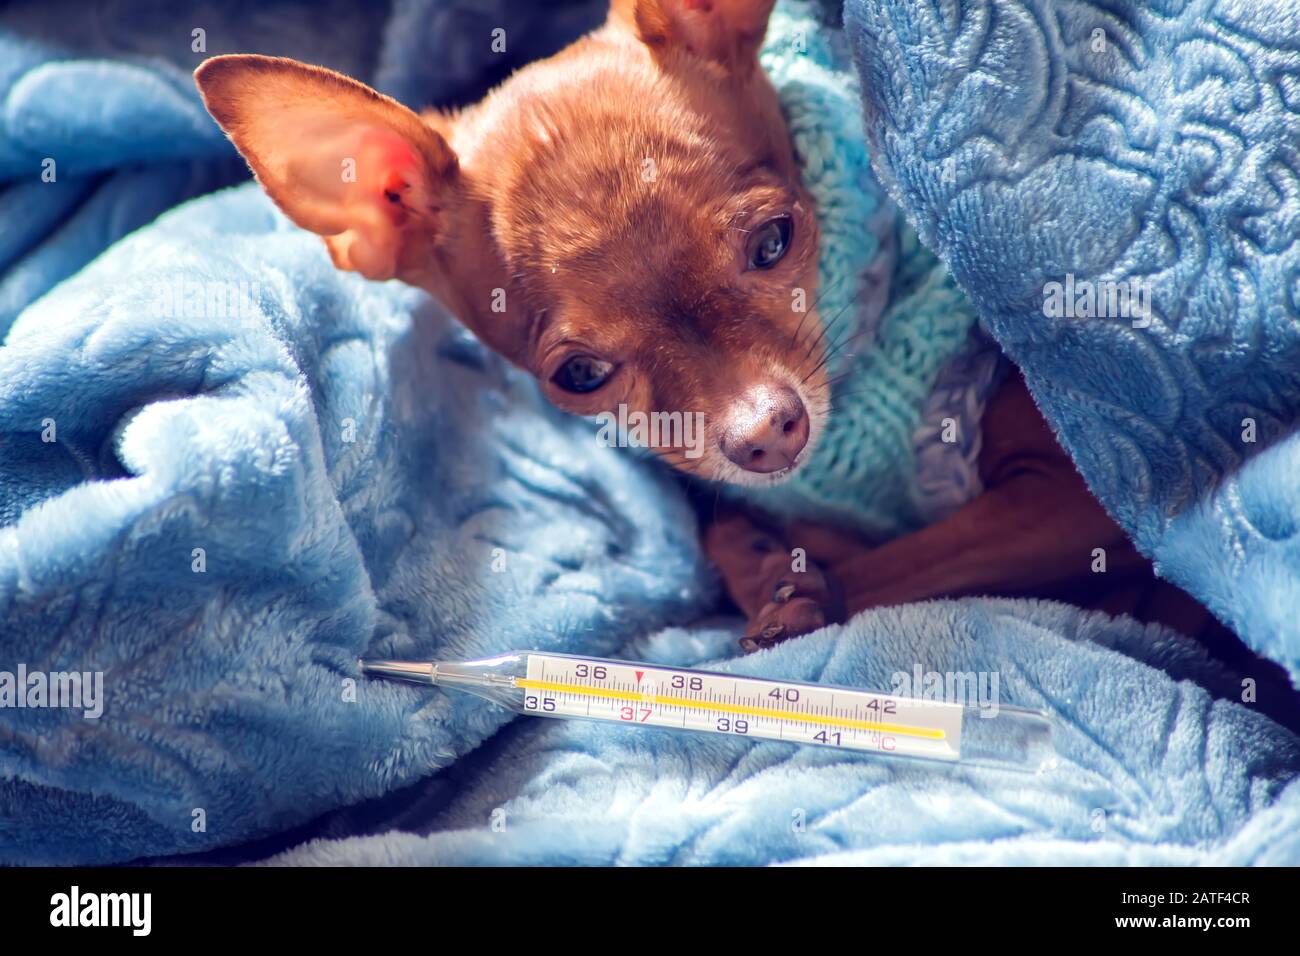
(529, 217)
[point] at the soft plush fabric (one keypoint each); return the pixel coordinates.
(1031, 141)
(359, 476)
(259, 468)
(1160, 764)
(892, 318)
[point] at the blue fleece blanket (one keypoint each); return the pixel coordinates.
(1056, 153)
(227, 469)
(1159, 764)
(240, 494)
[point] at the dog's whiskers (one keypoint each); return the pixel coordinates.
(833, 349)
(821, 337)
(812, 309)
(830, 383)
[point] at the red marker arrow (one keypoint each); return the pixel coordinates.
(639, 674)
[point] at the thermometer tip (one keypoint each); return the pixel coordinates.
(410, 671)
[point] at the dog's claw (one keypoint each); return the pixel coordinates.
(751, 644)
(780, 622)
(784, 600)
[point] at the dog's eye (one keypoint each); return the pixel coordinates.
(769, 242)
(583, 373)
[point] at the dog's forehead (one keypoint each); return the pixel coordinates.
(630, 146)
(617, 189)
(623, 212)
(647, 211)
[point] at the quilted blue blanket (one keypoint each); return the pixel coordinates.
(227, 469)
(1160, 765)
(1065, 157)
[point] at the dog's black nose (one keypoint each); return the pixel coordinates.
(765, 429)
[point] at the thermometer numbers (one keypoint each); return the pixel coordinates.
(644, 695)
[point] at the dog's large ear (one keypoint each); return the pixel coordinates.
(341, 160)
(726, 32)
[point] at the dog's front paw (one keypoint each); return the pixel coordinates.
(801, 603)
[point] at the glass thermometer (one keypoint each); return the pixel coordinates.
(819, 715)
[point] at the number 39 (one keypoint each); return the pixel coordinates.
(728, 726)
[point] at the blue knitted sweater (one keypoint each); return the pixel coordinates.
(899, 446)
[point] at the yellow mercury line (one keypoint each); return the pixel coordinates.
(929, 733)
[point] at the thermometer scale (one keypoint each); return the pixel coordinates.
(796, 712)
